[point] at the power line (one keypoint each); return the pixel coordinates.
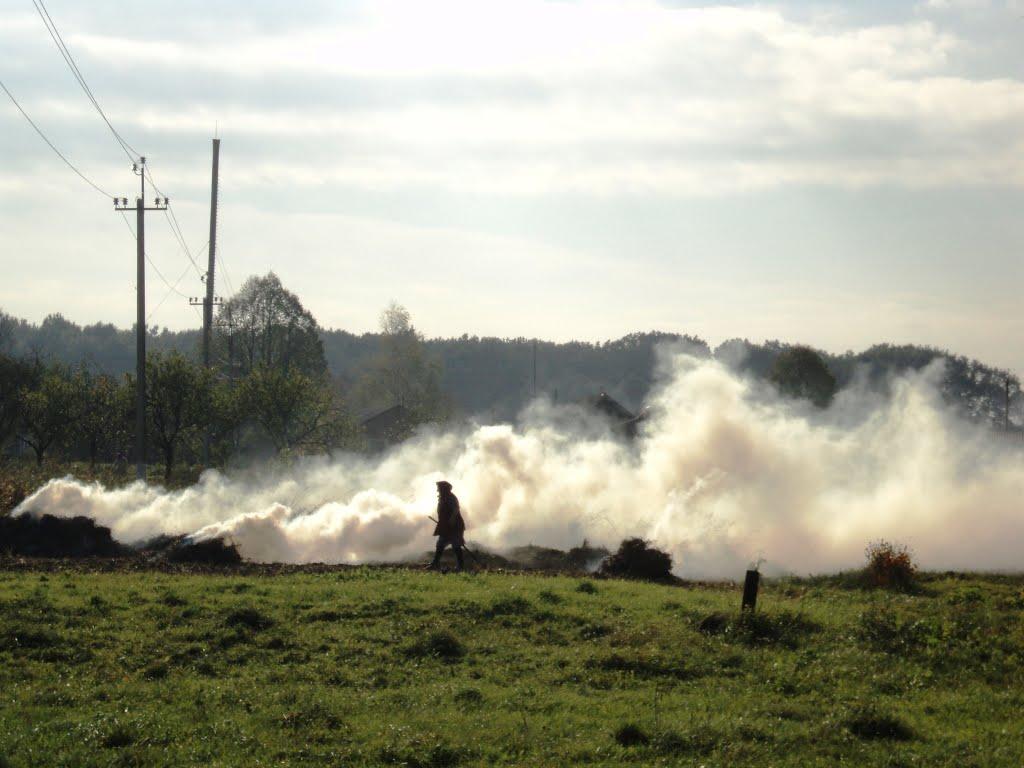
(184, 247)
(55, 35)
(171, 289)
(154, 266)
(227, 277)
(50, 144)
(173, 222)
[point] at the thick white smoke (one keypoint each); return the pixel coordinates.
(725, 474)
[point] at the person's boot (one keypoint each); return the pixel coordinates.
(458, 559)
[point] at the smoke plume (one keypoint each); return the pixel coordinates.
(724, 474)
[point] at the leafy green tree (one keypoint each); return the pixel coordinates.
(50, 411)
(297, 412)
(227, 416)
(403, 373)
(178, 402)
(17, 377)
(800, 372)
(104, 428)
(265, 325)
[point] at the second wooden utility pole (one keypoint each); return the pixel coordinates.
(211, 264)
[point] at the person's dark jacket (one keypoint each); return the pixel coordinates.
(450, 524)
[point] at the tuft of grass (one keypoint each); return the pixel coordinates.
(586, 588)
(869, 723)
(882, 630)
(645, 667)
(438, 645)
(322, 615)
(509, 606)
(674, 744)
(781, 628)
(156, 671)
(119, 737)
(631, 735)
(468, 697)
(439, 755)
(312, 716)
(248, 618)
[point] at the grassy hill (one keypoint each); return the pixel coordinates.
(379, 666)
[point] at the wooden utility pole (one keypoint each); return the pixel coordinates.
(1006, 419)
(534, 368)
(210, 300)
(211, 264)
(121, 204)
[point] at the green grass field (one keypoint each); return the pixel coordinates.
(378, 666)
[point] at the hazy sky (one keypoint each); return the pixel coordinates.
(833, 174)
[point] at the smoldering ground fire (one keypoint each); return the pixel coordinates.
(725, 472)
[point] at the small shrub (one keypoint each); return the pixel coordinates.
(586, 587)
(636, 560)
(547, 596)
(631, 735)
(889, 566)
(869, 723)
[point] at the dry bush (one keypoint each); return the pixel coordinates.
(889, 566)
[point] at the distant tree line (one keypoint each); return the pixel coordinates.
(264, 327)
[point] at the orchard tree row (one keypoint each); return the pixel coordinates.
(268, 392)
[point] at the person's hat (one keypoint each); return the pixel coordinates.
(444, 485)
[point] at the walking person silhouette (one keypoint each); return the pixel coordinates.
(451, 528)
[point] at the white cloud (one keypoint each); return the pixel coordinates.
(635, 96)
(528, 103)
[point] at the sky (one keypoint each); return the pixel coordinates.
(833, 174)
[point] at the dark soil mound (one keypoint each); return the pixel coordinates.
(49, 536)
(534, 558)
(636, 560)
(209, 551)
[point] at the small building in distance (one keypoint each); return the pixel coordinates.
(623, 421)
(388, 427)
(609, 407)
